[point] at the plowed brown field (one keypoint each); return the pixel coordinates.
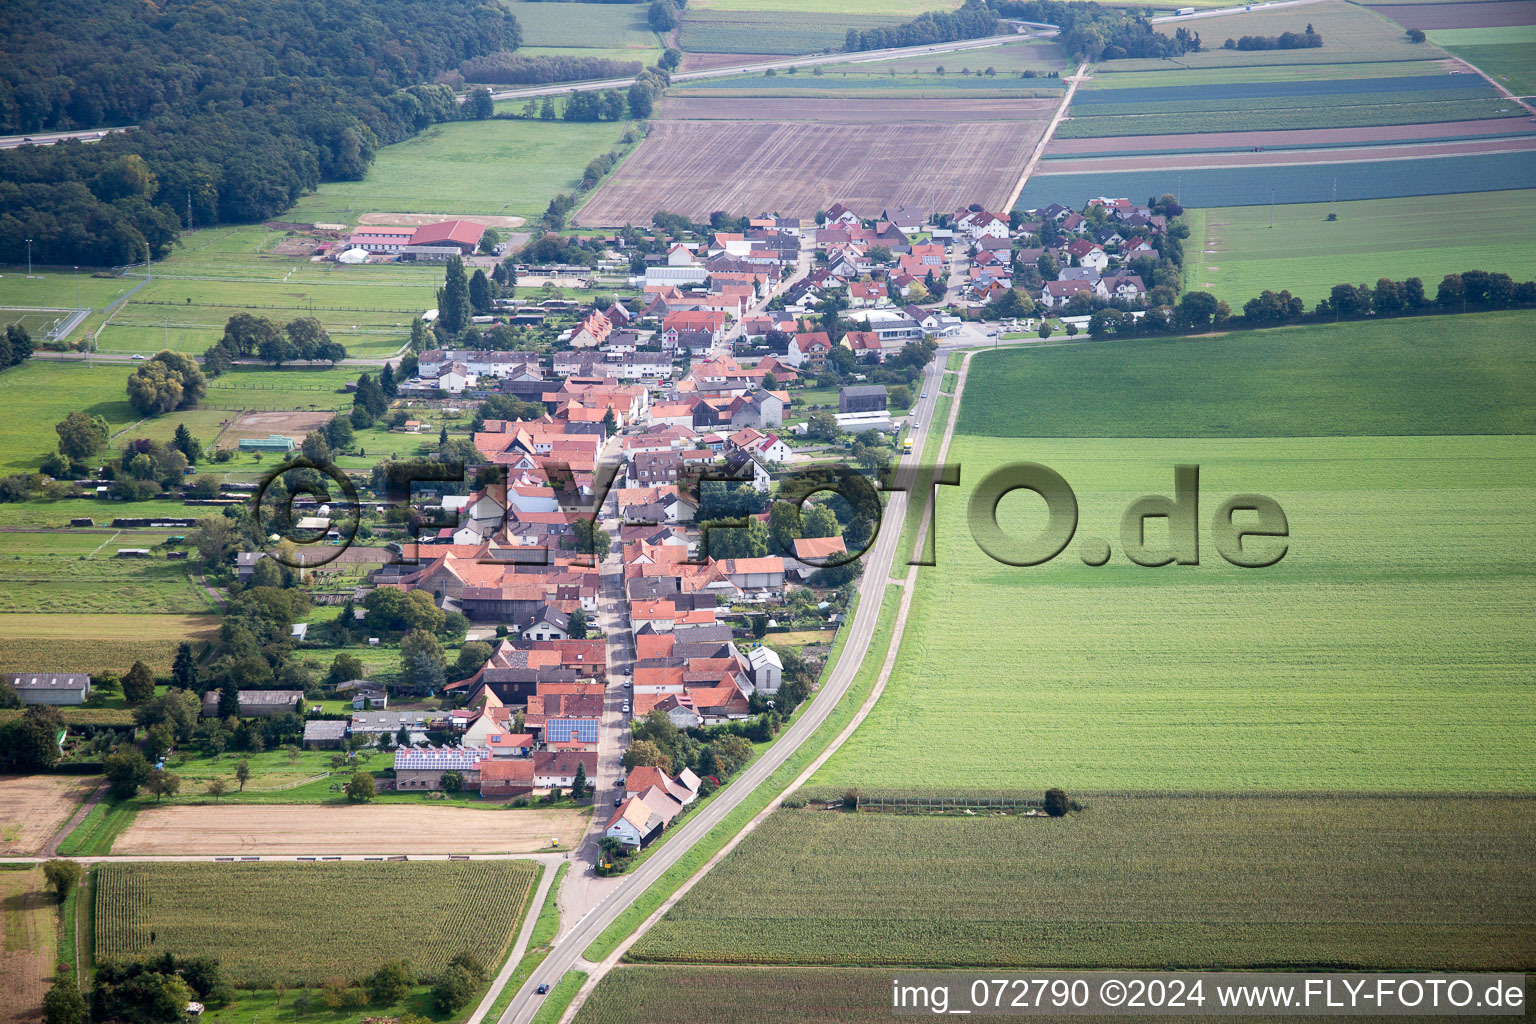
(797, 168)
(30, 949)
(1461, 15)
(32, 807)
(304, 829)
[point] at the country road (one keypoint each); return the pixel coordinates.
(841, 57)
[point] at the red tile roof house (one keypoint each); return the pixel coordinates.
(465, 234)
(635, 823)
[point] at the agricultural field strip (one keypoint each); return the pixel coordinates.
(1256, 119)
(1295, 183)
(1276, 158)
(1129, 882)
(1322, 138)
(185, 908)
(1163, 96)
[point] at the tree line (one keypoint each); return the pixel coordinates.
(239, 110)
(505, 68)
(1466, 292)
(1090, 31)
(1284, 41)
(972, 21)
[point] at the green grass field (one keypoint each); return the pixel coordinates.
(249, 915)
(1425, 375)
(504, 168)
(58, 288)
(1350, 34)
(1401, 602)
(902, 9)
(1153, 883)
(576, 25)
(1508, 54)
(39, 393)
(771, 30)
(99, 584)
(1235, 254)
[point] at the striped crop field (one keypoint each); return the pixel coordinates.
(302, 923)
(1291, 183)
(1192, 882)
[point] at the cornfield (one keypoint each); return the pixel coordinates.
(302, 923)
(1130, 882)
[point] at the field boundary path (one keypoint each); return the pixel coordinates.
(596, 972)
(1045, 137)
(51, 850)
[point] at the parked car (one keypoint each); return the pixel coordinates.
(618, 800)
(625, 709)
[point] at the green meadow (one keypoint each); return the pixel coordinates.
(1388, 649)
(1507, 53)
(502, 168)
(1235, 253)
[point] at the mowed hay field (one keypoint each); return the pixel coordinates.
(303, 829)
(1506, 54)
(29, 951)
(1235, 253)
(1191, 882)
(116, 641)
(508, 168)
(299, 923)
(1389, 650)
(32, 807)
(695, 167)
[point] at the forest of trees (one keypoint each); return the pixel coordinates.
(240, 110)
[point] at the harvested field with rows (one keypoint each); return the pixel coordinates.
(32, 807)
(298, 923)
(683, 106)
(1130, 882)
(1312, 139)
(796, 169)
(325, 829)
(30, 948)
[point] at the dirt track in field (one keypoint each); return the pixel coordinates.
(1312, 137)
(32, 807)
(1271, 158)
(264, 424)
(1461, 15)
(303, 829)
(796, 168)
(853, 111)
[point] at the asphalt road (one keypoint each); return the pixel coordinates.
(861, 57)
(877, 571)
(49, 138)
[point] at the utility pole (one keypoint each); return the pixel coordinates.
(76, 276)
(1333, 204)
(1271, 208)
(29, 257)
